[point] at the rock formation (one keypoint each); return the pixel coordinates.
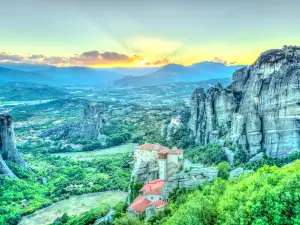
(171, 127)
(260, 110)
(195, 176)
(88, 128)
(8, 146)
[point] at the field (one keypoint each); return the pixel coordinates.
(74, 206)
(126, 148)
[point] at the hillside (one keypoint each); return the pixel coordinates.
(59, 76)
(17, 91)
(174, 73)
(11, 75)
(269, 196)
(80, 75)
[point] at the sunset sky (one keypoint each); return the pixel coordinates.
(131, 33)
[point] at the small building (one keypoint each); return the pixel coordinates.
(169, 160)
(151, 195)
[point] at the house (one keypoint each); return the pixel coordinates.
(151, 195)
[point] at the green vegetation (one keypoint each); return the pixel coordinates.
(268, 196)
(210, 154)
(135, 187)
(272, 162)
(74, 206)
(86, 218)
(55, 178)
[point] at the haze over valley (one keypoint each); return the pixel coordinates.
(149, 113)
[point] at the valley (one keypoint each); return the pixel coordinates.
(74, 206)
(72, 153)
(121, 149)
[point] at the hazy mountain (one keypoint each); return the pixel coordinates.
(18, 91)
(132, 71)
(10, 75)
(26, 67)
(173, 73)
(60, 76)
(80, 75)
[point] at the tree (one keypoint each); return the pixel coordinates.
(224, 168)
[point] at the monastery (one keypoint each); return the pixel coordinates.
(156, 163)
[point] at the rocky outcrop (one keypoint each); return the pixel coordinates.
(260, 110)
(171, 127)
(145, 171)
(237, 172)
(89, 127)
(93, 120)
(8, 147)
(188, 179)
(4, 169)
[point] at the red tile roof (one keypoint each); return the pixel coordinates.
(175, 151)
(140, 204)
(159, 204)
(159, 148)
(154, 187)
(154, 147)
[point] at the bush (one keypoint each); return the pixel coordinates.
(224, 169)
(210, 154)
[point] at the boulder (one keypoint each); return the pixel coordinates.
(237, 172)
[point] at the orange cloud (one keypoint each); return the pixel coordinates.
(95, 58)
(90, 58)
(164, 61)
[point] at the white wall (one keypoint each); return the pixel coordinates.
(154, 197)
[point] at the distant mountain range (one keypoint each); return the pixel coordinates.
(171, 73)
(60, 76)
(18, 91)
(174, 73)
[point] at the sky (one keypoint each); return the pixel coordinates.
(139, 33)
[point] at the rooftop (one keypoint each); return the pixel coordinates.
(159, 204)
(140, 204)
(154, 187)
(160, 149)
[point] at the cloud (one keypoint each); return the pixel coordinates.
(96, 58)
(164, 61)
(219, 60)
(55, 60)
(232, 63)
(36, 56)
(4, 56)
(89, 58)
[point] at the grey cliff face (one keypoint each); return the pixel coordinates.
(8, 146)
(93, 120)
(259, 110)
(88, 128)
